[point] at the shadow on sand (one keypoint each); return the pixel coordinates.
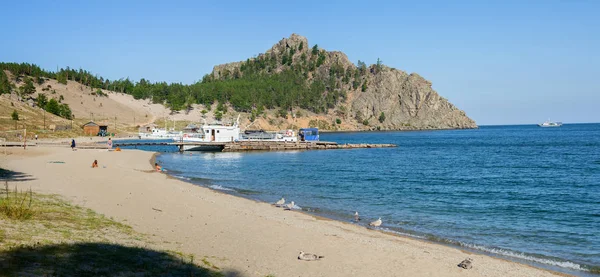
(99, 259)
(14, 176)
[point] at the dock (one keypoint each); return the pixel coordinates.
(236, 146)
(241, 146)
(301, 145)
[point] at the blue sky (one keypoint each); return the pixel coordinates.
(503, 62)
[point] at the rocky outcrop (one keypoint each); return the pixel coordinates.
(407, 101)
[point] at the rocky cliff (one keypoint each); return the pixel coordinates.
(367, 97)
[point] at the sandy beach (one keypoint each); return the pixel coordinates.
(255, 239)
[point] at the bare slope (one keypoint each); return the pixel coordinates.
(85, 105)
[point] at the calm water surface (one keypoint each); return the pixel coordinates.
(521, 192)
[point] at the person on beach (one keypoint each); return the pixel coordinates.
(35, 136)
(158, 168)
(73, 144)
(109, 143)
(95, 164)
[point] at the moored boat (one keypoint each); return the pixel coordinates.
(261, 135)
(215, 132)
(156, 133)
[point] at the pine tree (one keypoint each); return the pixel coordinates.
(381, 117)
(28, 88)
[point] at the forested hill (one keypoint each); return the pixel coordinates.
(289, 77)
(293, 74)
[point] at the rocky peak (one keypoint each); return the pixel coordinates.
(293, 42)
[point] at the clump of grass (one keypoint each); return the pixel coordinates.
(16, 205)
(208, 264)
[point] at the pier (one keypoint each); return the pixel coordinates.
(240, 146)
(236, 146)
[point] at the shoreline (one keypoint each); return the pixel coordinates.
(528, 259)
(235, 232)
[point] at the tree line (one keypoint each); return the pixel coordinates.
(289, 80)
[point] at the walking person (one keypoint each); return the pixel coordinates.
(73, 144)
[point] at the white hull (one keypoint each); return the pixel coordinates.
(549, 124)
(202, 147)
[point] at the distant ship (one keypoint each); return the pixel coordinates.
(549, 123)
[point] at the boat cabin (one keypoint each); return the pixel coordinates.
(309, 134)
(221, 133)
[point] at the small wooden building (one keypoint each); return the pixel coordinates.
(93, 129)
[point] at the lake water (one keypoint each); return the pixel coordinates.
(519, 192)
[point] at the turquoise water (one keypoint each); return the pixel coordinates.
(520, 192)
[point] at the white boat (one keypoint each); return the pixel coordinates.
(260, 135)
(210, 133)
(549, 123)
(156, 133)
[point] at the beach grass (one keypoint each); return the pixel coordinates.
(57, 238)
(16, 204)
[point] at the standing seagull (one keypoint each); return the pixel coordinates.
(376, 223)
(309, 257)
(280, 202)
(356, 216)
(290, 206)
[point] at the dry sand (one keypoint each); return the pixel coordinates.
(253, 238)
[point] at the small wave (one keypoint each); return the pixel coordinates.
(201, 181)
(406, 234)
(219, 187)
(523, 256)
(174, 172)
(247, 192)
(183, 178)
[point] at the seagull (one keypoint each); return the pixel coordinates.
(290, 206)
(356, 216)
(376, 223)
(309, 257)
(280, 202)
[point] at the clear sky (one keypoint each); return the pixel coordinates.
(502, 62)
